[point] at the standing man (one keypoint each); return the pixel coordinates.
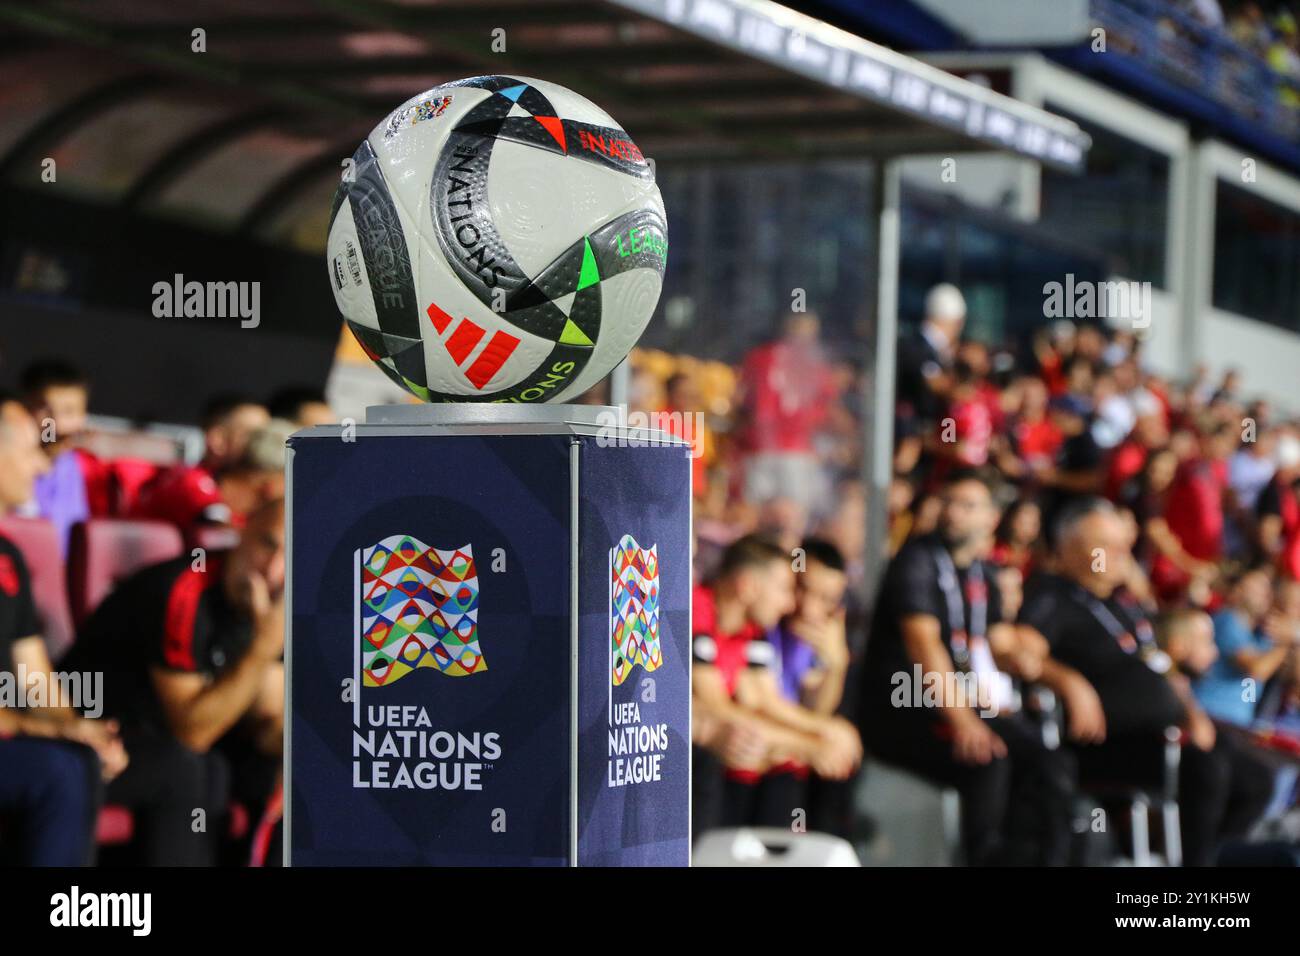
(939, 618)
(926, 358)
(787, 389)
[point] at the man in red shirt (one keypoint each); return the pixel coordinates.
(786, 388)
(1034, 438)
(218, 491)
(1195, 504)
(965, 434)
(1130, 456)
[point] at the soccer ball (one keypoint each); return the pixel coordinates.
(497, 239)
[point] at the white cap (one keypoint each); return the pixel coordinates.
(945, 301)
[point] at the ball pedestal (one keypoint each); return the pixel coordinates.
(488, 657)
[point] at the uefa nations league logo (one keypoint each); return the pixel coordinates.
(418, 607)
(633, 608)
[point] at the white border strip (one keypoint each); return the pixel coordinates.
(286, 772)
(575, 454)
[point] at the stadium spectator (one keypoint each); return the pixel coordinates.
(1079, 467)
(1277, 511)
(763, 742)
(1252, 645)
(190, 651)
(1149, 434)
(965, 434)
(814, 657)
(1249, 27)
(682, 416)
(939, 622)
(301, 406)
(1207, 12)
(1016, 541)
(1195, 507)
(786, 388)
(1033, 438)
(1250, 469)
(190, 496)
(187, 495)
(1119, 700)
(812, 652)
(57, 395)
(926, 358)
(51, 759)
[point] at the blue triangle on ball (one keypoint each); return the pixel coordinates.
(514, 92)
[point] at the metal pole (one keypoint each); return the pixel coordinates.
(618, 382)
(878, 420)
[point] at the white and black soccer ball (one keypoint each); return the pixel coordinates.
(497, 239)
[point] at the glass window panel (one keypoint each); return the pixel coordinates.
(1119, 206)
(1256, 255)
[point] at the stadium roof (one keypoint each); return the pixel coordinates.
(247, 135)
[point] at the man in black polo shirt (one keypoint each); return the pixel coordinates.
(191, 653)
(1113, 681)
(51, 760)
(936, 702)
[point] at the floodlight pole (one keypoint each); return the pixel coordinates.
(879, 380)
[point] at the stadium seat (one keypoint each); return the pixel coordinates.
(1138, 802)
(106, 550)
(38, 540)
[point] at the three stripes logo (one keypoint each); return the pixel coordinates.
(464, 340)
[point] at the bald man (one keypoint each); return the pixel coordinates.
(191, 652)
(1115, 684)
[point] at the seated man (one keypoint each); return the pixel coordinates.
(935, 702)
(1115, 684)
(57, 395)
(812, 666)
(1246, 653)
(191, 653)
(189, 495)
(51, 760)
(301, 406)
(761, 740)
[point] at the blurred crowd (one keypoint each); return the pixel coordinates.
(1088, 594)
(1243, 52)
(170, 753)
(1110, 556)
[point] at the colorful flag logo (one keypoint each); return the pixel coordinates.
(633, 608)
(418, 607)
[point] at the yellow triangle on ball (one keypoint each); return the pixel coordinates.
(572, 335)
